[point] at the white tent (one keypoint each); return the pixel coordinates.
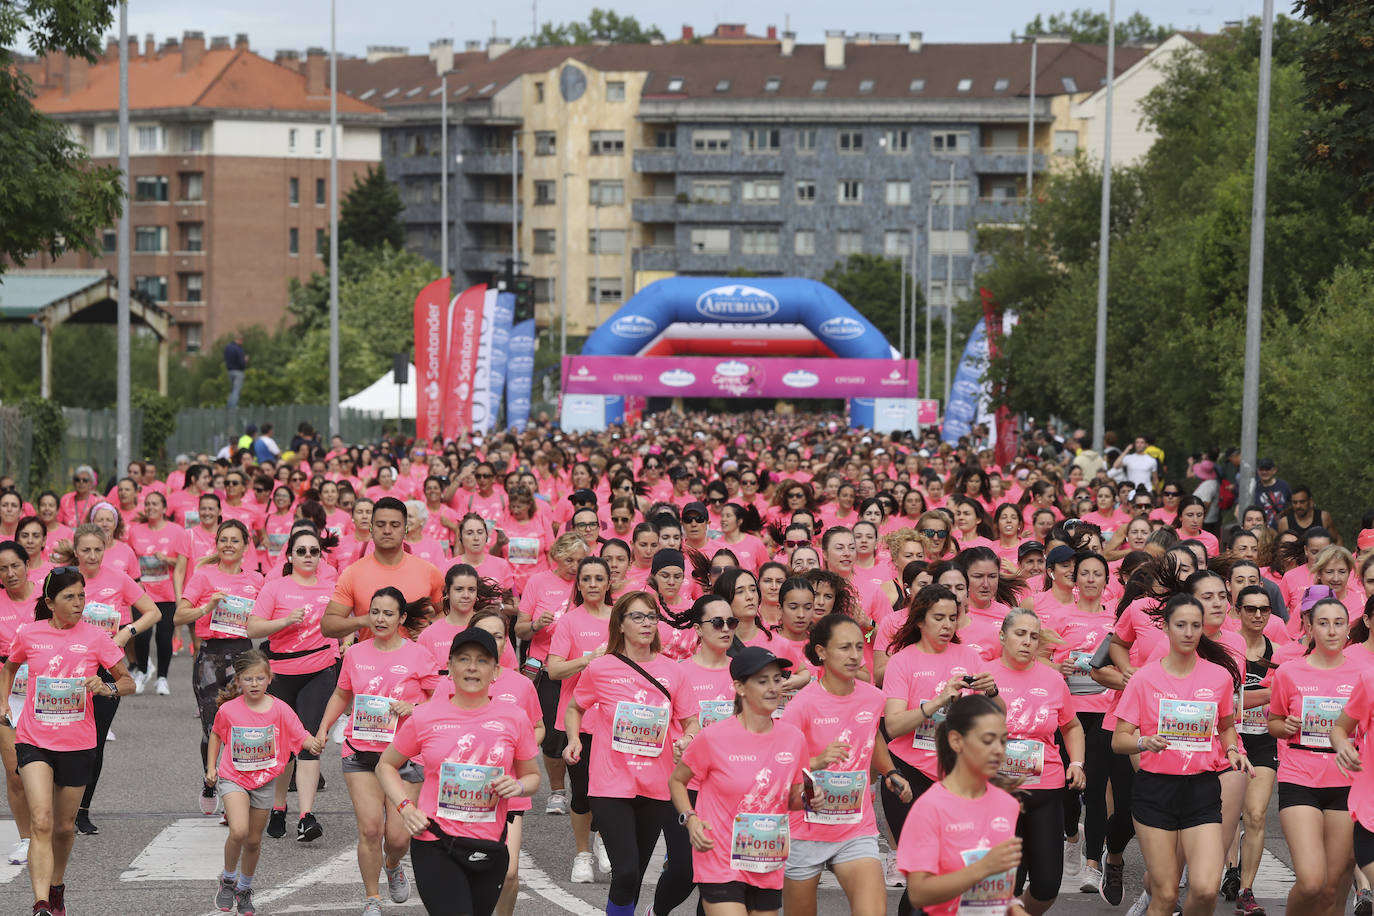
(381, 396)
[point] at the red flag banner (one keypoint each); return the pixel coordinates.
(465, 338)
(430, 307)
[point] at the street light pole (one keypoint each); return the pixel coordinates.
(123, 388)
(1030, 125)
(563, 271)
(333, 226)
(443, 176)
(1249, 417)
(930, 303)
(901, 308)
(949, 285)
(515, 203)
(1103, 252)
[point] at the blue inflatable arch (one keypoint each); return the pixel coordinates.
(730, 300)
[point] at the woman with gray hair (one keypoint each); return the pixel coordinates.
(76, 504)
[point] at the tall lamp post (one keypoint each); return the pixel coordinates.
(333, 227)
(1103, 254)
(1030, 115)
(123, 387)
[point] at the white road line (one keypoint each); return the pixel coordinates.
(9, 835)
(533, 878)
(303, 880)
(188, 849)
(1274, 879)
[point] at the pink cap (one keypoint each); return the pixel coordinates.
(1314, 594)
(1366, 539)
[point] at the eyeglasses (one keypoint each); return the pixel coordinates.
(935, 534)
(82, 479)
(233, 483)
(306, 552)
(722, 623)
(586, 526)
(484, 476)
(1144, 506)
(749, 483)
(1256, 608)
(260, 489)
(653, 467)
(641, 617)
(623, 519)
(294, 480)
(796, 494)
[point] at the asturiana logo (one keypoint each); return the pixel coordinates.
(737, 303)
(634, 327)
(677, 378)
(732, 368)
(800, 378)
(841, 328)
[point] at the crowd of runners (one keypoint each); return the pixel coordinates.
(746, 637)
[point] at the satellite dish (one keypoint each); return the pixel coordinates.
(572, 83)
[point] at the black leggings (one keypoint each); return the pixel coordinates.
(104, 709)
(1041, 829)
(578, 777)
(448, 889)
(1100, 763)
(676, 883)
(555, 740)
(211, 672)
(166, 628)
(894, 809)
(630, 829)
(307, 694)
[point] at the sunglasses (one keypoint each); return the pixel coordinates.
(715, 502)
(1256, 608)
(260, 489)
(621, 518)
(1171, 493)
(719, 570)
(749, 483)
(1144, 505)
(796, 495)
(934, 534)
(295, 480)
(306, 552)
(693, 520)
(484, 476)
(796, 543)
(722, 623)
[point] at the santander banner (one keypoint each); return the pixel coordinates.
(465, 336)
(741, 377)
(431, 307)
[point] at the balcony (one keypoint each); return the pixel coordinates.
(490, 210)
(492, 260)
(706, 262)
(1004, 160)
(654, 209)
(655, 257)
(489, 162)
(999, 209)
(656, 159)
(405, 165)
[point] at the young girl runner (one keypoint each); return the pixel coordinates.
(258, 735)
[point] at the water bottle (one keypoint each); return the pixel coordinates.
(209, 801)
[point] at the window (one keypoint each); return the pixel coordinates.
(607, 142)
(806, 140)
(1004, 189)
(110, 136)
(939, 297)
(675, 84)
(416, 145)
(149, 139)
(150, 238)
(193, 337)
(763, 140)
(898, 193)
(806, 190)
(1000, 85)
(1065, 142)
(1007, 138)
(1069, 83)
(710, 141)
(772, 84)
(539, 93)
(819, 85)
(109, 241)
(917, 85)
(711, 241)
(849, 241)
(192, 237)
(606, 241)
(319, 243)
(665, 138)
(707, 191)
(545, 143)
(804, 242)
(964, 85)
(943, 241)
(155, 288)
(150, 188)
(896, 243)
(949, 141)
(319, 141)
(759, 191)
(544, 289)
(192, 186)
(291, 138)
(897, 141)
(607, 193)
(319, 192)
(192, 287)
(865, 86)
(759, 241)
(615, 91)
(545, 192)
(851, 141)
(293, 241)
(722, 85)
(293, 191)
(850, 191)
(605, 289)
(193, 141)
(545, 241)
(940, 192)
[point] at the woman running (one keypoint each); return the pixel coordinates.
(160, 545)
(1252, 603)
(16, 609)
(740, 588)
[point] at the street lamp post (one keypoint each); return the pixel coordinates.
(1030, 115)
(123, 386)
(949, 286)
(333, 226)
(443, 175)
(1103, 254)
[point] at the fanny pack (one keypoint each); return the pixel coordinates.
(472, 855)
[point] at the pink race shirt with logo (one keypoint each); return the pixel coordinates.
(545, 591)
(1083, 632)
(58, 716)
(13, 615)
(210, 579)
(437, 638)
(1038, 705)
(1315, 696)
(111, 588)
(914, 676)
(944, 833)
(824, 719)
(278, 599)
(575, 635)
(154, 575)
(1360, 707)
(405, 673)
(257, 745)
(1155, 698)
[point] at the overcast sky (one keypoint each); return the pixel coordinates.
(297, 24)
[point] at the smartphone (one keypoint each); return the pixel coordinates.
(968, 679)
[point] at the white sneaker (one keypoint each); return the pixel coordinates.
(1073, 860)
(140, 681)
(109, 736)
(19, 853)
(557, 803)
(163, 690)
(583, 870)
(1141, 904)
(603, 858)
(892, 876)
(1092, 879)
(336, 734)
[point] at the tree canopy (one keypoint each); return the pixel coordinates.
(601, 26)
(370, 213)
(1091, 26)
(1338, 66)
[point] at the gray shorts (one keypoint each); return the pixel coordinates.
(366, 763)
(261, 797)
(808, 858)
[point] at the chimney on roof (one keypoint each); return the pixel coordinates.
(112, 48)
(688, 33)
(915, 42)
(471, 46)
(496, 47)
(834, 49)
(219, 42)
(441, 52)
(168, 46)
(316, 62)
(192, 49)
(789, 43)
(772, 33)
(149, 46)
(385, 52)
(241, 42)
(133, 47)
(288, 59)
(77, 72)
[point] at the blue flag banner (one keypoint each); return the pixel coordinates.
(520, 374)
(970, 390)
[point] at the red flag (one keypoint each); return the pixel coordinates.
(430, 306)
(465, 336)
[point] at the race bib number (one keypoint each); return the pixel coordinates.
(713, 711)
(253, 747)
(923, 739)
(1319, 714)
(1082, 662)
(1254, 721)
(105, 616)
(191, 518)
(275, 542)
(372, 719)
(1187, 724)
(465, 793)
(229, 619)
(639, 729)
(842, 797)
(989, 897)
(759, 842)
(1024, 760)
(59, 700)
(152, 569)
(523, 551)
(782, 703)
(21, 681)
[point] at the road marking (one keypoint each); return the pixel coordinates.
(533, 878)
(303, 880)
(188, 849)
(9, 835)
(1274, 879)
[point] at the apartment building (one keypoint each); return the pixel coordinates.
(229, 171)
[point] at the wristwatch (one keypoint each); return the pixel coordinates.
(133, 630)
(682, 818)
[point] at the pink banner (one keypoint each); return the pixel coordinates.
(712, 377)
(430, 308)
(465, 335)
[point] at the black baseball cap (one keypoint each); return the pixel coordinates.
(1029, 548)
(476, 635)
(1061, 554)
(753, 659)
(677, 472)
(695, 508)
(583, 496)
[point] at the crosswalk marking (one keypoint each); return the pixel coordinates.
(188, 849)
(9, 835)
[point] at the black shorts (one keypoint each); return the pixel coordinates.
(1327, 798)
(1364, 846)
(512, 815)
(1263, 750)
(69, 768)
(753, 898)
(1168, 802)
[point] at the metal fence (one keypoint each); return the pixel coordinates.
(16, 444)
(92, 438)
(208, 429)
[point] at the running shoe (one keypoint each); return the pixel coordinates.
(83, 823)
(557, 803)
(57, 899)
(1230, 882)
(244, 901)
(308, 829)
(1246, 905)
(41, 909)
(397, 884)
(276, 823)
(1092, 880)
(224, 897)
(373, 907)
(1073, 861)
(19, 853)
(603, 858)
(583, 869)
(1112, 889)
(163, 689)
(336, 734)
(1364, 903)
(140, 681)
(892, 876)
(1142, 903)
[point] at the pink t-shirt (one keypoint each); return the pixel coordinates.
(437, 639)
(225, 622)
(750, 550)
(1139, 629)
(576, 634)
(1360, 707)
(375, 678)
(824, 719)
(119, 556)
(1186, 710)
(944, 833)
(13, 615)
(1038, 705)
(914, 676)
(527, 548)
(744, 774)
(982, 636)
(1316, 696)
(58, 713)
(108, 596)
(463, 751)
(635, 725)
(1083, 632)
(257, 745)
(276, 529)
(154, 574)
(511, 687)
(430, 550)
(277, 599)
(545, 591)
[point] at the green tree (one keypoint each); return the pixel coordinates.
(601, 26)
(1338, 66)
(370, 213)
(873, 285)
(51, 198)
(1091, 26)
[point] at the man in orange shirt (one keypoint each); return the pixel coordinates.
(387, 564)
